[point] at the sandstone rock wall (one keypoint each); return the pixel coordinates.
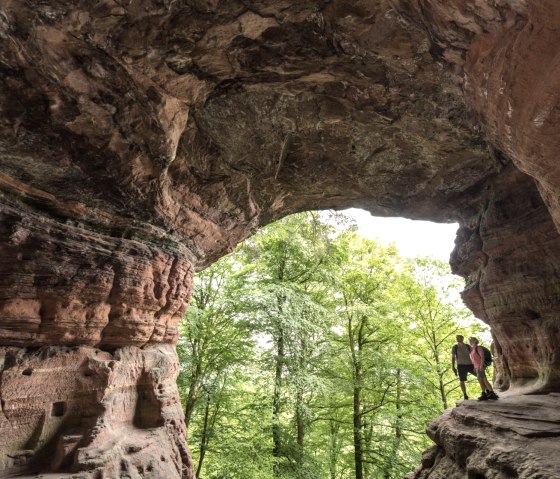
(509, 256)
(512, 82)
(65, 285)
(515, 437)
(140, 141)
(92, 412)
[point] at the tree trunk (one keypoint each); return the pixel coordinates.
(300, 425)
(194, 385)
(367, 435)
(355, 344)
(333, 448)
(204, 438)
(439, 370)
(300, 407)
(276, 438)
(442, 391)
(191, 402)
(357, 421)
(398, 430)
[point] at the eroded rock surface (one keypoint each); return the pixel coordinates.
(513, 84)
(202, 117)
(91, 412)
(514, 437)
(519, 297)
(70, 286)
(140, 141)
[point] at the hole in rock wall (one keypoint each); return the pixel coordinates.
(147, 413)
(27, 372)
(58, 409)
(532, 314)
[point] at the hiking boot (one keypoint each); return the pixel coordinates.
(492, 395)
(465, 397)
(483, 397)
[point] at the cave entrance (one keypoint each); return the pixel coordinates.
(323, 346)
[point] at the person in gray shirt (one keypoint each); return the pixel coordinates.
(461, 362)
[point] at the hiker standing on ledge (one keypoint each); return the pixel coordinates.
(460, 354)
(477, 357)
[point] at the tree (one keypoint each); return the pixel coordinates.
(367, 279)
(435, 319)
(215, 340)
(290, 260)
(311, 352)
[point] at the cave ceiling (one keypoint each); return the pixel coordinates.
(141, 140)
(190, 120)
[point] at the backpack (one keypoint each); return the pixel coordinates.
(487, 356)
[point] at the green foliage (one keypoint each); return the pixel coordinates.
(314, 353)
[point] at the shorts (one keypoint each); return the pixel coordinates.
(463, 370)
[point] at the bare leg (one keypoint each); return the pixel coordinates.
(483, 381)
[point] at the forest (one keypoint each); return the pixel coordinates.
(314, 353)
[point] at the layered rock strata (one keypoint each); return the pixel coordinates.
(514, 437)
(509, 255)
(88, 371)
(67, 285)
(140, 141)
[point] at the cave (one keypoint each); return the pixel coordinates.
(141, 141)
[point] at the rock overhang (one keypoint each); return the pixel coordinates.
(293, 102)
(141, 141)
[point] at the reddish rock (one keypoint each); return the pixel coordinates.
(142, 140)
(513, 437)
(67, 285)
(512, 81)
(92, 413)
(510, 290)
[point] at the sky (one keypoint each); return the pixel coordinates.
(412, 238)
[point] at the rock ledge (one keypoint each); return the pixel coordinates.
(514, 437)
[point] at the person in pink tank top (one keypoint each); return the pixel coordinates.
(477, 358)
